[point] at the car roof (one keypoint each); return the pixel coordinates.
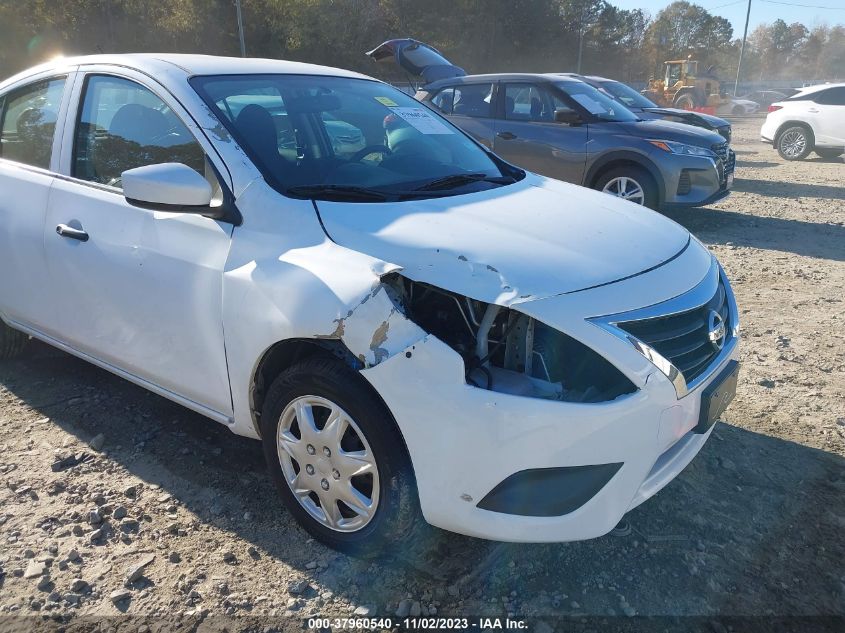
(157, 63)
(468, 79)
(811, 89)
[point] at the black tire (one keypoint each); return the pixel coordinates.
(829, 153)
(738, 110)
(795, 142)
(685, 102)
(638, 175)
(12, 342)
(397, 515)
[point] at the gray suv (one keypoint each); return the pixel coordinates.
(564, 128)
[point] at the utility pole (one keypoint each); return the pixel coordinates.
(742, 48)
(581, 36)
(241, 27)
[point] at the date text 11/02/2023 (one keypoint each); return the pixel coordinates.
(417, 623)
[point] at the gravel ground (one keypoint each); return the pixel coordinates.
(115, 501)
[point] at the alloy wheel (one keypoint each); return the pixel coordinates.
(328, 463)
(793, 143)
(626, 188)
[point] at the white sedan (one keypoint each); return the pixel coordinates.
(813, 120)
(415, 330)
(738, 107)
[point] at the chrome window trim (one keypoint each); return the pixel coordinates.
(695, 298)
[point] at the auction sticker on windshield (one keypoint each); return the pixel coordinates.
(422, 120)
(387, 101)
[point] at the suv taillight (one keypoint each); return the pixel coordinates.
(774, 108)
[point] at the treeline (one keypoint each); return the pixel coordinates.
(480, 35)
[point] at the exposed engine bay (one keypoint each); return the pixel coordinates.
(507, 351)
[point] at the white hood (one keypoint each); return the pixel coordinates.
(526, 241)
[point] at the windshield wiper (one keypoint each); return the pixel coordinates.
(338, 192)
(456, 180)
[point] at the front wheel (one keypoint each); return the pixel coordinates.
(685, 102)
(829, 153)
(338, 460)
(12, 342)
(794, 143)
(634, 184)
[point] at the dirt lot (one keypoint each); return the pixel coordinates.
(754, 527)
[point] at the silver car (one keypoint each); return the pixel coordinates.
(564, 128)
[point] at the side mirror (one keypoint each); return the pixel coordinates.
(565, 115)
(172, 187)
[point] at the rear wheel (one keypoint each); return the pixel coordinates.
(794, 142)
(338, 459)
(738, 110)
(632, 183)
(828, 153)
(12, 342)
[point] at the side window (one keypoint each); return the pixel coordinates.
(529, 102)
(123, 125)
(475, 100)
(831, 96)
(443, 100)
(29, 122)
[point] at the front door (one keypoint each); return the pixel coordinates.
(528, 136)
(139, 290)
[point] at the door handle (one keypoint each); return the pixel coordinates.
(75, 234)
(506, 136)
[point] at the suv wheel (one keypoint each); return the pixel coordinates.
(829, 153)
(12, 342)
(630, 183)
(795, 142)
(338, 459)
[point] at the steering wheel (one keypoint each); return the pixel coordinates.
(361, 154)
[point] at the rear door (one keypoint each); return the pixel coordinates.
(29, 146)
(470, 106)
(528, 136)
(830, 118)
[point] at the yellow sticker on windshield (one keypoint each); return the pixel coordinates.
(387, 101)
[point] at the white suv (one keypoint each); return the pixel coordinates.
(414, 329)
(811, 120)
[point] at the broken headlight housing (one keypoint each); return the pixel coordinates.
(507, 351)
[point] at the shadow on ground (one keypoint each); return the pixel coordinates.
(786, 189)
(720, 226)
(753, 526)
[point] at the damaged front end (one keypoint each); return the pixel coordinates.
(502, 349)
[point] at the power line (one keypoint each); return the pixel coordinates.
(804, 6)
(722, 6)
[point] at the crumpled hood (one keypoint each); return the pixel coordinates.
(714, 121)
(533, 239)
(672, 131)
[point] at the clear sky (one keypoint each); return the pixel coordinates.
(761, 11)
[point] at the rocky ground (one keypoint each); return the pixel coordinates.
(115, 501)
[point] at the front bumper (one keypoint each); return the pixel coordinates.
(464, 441)
(692, 181)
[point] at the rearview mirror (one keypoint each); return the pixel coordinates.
(170, 187)
(565, 115)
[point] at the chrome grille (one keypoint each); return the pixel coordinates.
(682, 338)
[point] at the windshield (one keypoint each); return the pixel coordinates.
(627, 95)
(344, 138)
(596, 103)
